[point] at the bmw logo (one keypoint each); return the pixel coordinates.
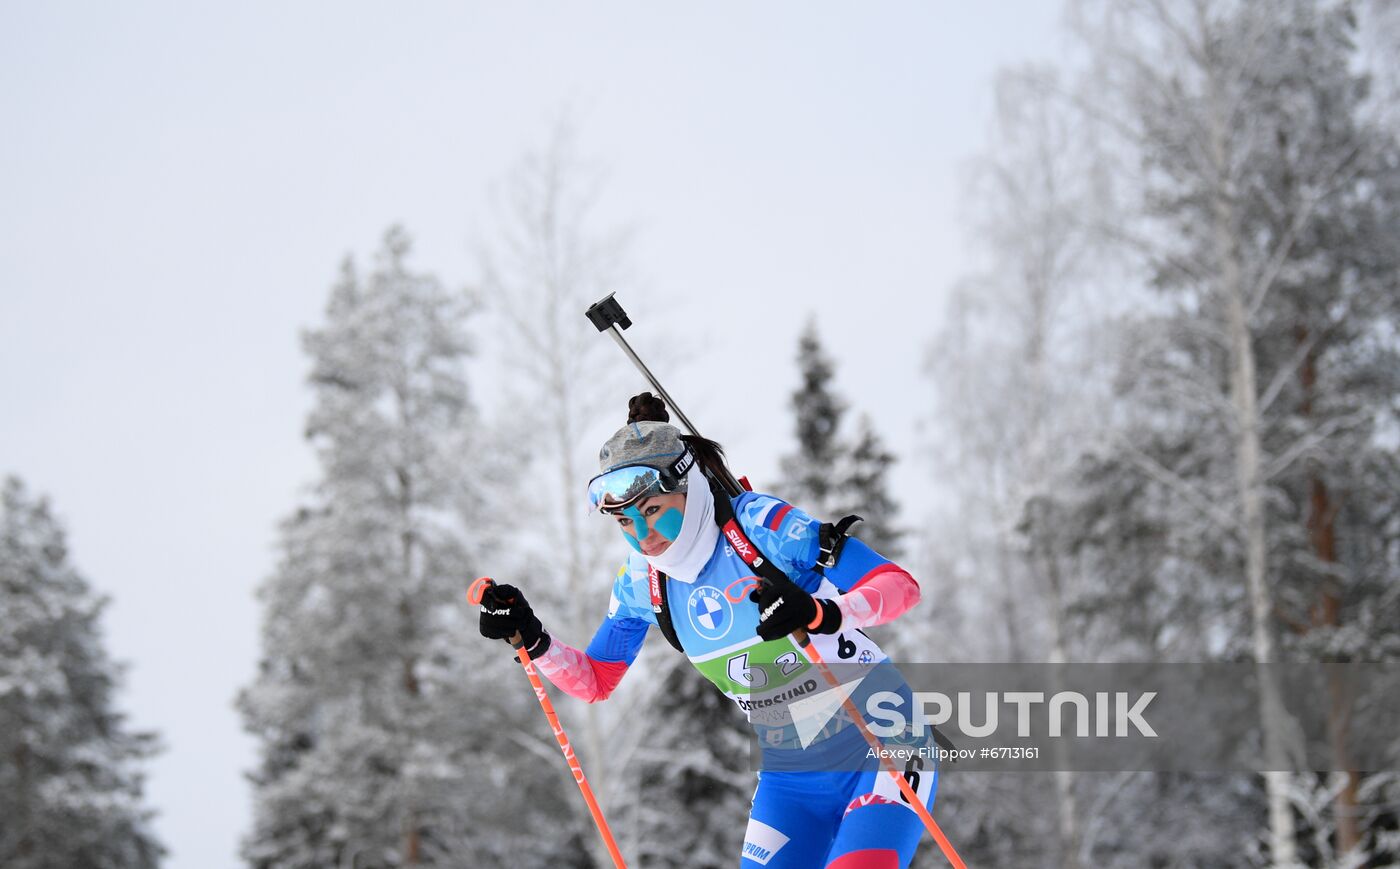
(710, 613)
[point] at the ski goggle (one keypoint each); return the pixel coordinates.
(624, 486)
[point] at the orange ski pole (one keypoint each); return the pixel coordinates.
(474, 593)
(905, 788)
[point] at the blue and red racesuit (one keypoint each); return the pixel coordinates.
(838, 816)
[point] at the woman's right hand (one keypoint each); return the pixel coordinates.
(506, 615)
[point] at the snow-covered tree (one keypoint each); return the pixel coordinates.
(829, 474)
(864, 486)
(692, 776)
(1266, 385)
(70, 766)
(550, 256)
(547, 260)
(1235, 497)
(1018, 380)
(807, 473)
(379, 738)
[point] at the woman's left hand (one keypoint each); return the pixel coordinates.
(783, 607)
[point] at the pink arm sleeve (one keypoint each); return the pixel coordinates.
(578, 675)
(882, 595)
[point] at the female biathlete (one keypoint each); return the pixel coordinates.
(820, 801)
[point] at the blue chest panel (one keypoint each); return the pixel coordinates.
(714, 612)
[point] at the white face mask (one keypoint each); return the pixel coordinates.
(693, 547)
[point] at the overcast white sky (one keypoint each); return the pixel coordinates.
(177, 186)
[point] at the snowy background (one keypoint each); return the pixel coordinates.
(179, 187)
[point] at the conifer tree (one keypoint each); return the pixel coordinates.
(369, 714)
(829, 476)
(865, 490)
(694, 775)
(807, 473)
(70, 767)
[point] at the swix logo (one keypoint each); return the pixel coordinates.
(654, 580)
(864, 800)
(738, 541)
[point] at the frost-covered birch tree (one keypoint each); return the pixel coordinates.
(550, 257)
(545, 263)
(71, 767)
(1267, 195)
(1019, 386)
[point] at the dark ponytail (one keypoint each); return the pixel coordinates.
(646, 407)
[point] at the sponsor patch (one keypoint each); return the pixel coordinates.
(654, 586)
(710, 613)
(761, 842)
(739, 542)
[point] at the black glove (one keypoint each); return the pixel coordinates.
(504, 612)
(783, 607)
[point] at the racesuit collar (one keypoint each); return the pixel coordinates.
(691, 550)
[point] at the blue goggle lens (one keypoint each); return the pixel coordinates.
(622, 486)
